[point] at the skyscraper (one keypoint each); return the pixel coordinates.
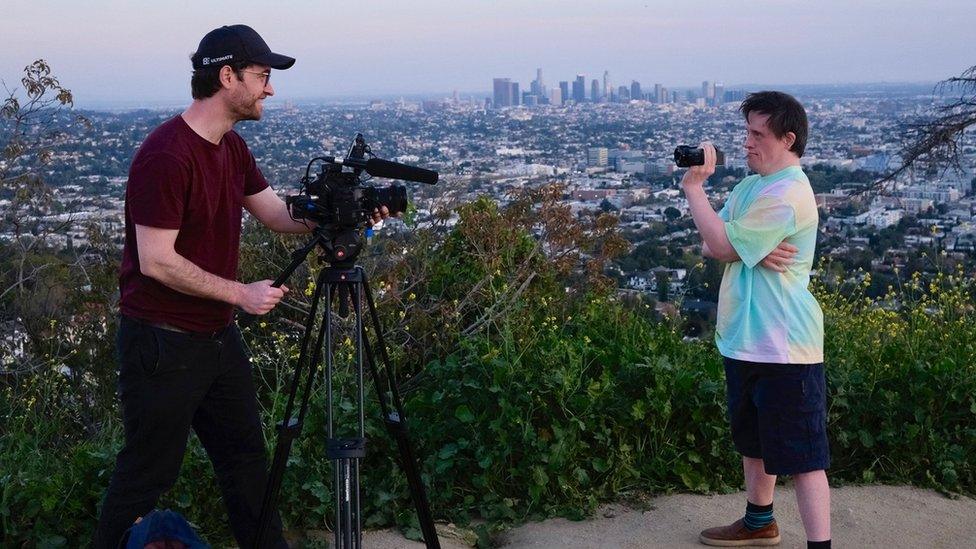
(708, 90)
(579, 88)
(606, 85)
(564, 91)
(502, 92)
(660, 96)
(635, 90)
(516, 97)
(556, 95)
(719, 94)
(595, 91)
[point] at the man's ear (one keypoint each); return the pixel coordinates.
(227, 76)
(789, 139)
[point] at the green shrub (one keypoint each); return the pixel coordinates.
(531, 391)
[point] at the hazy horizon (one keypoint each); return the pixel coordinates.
(112, 53)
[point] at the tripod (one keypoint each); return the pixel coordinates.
(345, 282)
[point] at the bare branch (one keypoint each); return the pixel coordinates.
(936, 142)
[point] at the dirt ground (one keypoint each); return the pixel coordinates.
(861, 516)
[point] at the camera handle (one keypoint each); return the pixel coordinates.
(346, 453)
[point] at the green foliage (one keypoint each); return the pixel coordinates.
(532, 391)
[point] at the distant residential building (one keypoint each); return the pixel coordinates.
(597, 156)
(880, 218)
(590, 195)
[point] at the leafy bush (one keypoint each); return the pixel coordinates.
(531, 390)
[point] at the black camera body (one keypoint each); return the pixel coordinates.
(338, 199)
(686, 156)
(342, 206)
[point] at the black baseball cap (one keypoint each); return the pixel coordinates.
(233, 44)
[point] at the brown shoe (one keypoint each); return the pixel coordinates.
(737, 535)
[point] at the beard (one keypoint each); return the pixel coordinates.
(247, 108)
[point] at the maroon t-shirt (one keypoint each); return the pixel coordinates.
(179, 180)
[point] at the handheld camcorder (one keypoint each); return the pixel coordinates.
(686, 156)
(337, 200)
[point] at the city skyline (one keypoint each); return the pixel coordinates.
(119, 55)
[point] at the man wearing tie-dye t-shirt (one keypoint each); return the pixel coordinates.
(770, 327)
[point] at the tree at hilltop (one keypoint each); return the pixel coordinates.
(937, 141)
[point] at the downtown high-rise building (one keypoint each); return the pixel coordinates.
(556, 95)
(635, 90)
(708, 90)
(564, 91)
(595, 90)
(579, 88)
(502, 96)
(607, 91)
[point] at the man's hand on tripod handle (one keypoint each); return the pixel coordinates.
(380, 214)
(257, 298)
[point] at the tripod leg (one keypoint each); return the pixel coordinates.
(290, 427)
(356, 290)
(396, 425)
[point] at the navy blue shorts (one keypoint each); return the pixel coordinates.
(778, 413)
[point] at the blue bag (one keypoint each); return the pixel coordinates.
(164, 530)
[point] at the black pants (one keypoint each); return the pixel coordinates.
(169, 382)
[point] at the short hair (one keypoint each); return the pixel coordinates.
(786, 114)
(206, 82)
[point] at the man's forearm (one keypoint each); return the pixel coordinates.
(710, 226)
(283, 223)
(184, 276)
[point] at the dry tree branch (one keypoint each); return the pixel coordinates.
(937, 141)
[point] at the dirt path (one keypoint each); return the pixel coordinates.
(862, 516)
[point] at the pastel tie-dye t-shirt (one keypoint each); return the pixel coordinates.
(764, 315)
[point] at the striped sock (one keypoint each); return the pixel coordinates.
(757, 516)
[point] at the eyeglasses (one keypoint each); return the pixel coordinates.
(266, 75)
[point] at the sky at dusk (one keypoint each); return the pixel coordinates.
(131, 53)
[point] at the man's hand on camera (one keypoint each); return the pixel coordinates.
(380, 214)
(257, 298)
(781, 258)
(697, 175)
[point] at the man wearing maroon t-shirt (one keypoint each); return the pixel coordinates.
(182, 363)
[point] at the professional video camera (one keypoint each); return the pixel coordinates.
(338, 201)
